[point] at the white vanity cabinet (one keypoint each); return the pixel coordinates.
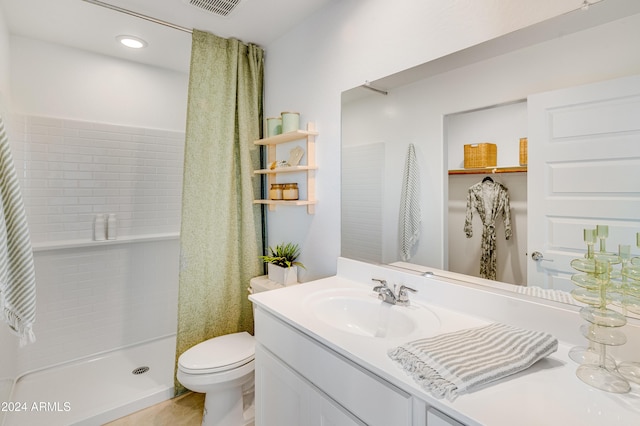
(301, 382)
(311, 371)
(438, 418)
(286, 398)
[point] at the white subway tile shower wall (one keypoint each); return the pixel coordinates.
(72, 170)
(97, 298)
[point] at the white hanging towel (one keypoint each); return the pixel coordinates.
(17, 272)
(410, 216)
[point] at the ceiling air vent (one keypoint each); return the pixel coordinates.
(217, 7)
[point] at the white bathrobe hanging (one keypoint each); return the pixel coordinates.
(491, 200)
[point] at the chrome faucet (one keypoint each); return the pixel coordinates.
(383, 284)
(387, 295)
(403, 295)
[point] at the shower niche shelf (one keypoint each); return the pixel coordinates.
(308, 169)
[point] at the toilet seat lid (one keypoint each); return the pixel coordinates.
(218, 354)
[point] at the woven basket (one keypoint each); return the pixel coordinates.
(480, 155)
(523, 151)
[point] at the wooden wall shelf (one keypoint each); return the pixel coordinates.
(288, 137)
(489, 170)
(285, 202)
(285, 169)
(271, 142)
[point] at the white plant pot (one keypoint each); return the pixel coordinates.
(284, 276)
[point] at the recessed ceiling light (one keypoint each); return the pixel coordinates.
(131, 41)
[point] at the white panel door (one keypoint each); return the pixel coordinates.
(584, 170)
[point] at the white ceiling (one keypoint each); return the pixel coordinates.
(86, 26)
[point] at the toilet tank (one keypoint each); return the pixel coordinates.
(262, 283)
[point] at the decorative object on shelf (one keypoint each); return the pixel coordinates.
(282, 263)
(523, 151)
(600, 283)
(290, 121)
(275, 192)
(290, 191)
(274, 126)
(491, 200)
(295, 155)
(278, 164)
(480, 155)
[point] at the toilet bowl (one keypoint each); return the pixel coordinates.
(222, 368)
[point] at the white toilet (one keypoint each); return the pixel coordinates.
(222, 368)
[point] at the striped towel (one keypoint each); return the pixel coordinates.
(410, 216)
(17, 272)
(453, 363)
(547, 293)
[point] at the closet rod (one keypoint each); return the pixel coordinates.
(139, 15)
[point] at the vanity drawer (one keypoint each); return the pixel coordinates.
(438, 418)
(371, 399)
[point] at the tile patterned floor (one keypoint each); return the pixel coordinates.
(185, 410)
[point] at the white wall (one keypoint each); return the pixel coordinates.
(51, 80)
(353, 41)
(4, 63)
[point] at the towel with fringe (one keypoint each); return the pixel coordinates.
(547, 293)
(17, 272)
(454, 363)
(410, 216)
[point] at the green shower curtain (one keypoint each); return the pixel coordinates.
(221, 233)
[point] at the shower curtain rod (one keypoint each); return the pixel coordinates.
(139, 15)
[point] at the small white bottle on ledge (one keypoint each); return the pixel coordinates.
(112, 227)
(99, 232)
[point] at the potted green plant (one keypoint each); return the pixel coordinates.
(281, 263)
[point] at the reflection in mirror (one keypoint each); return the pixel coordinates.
(503, 125)
(491, 93)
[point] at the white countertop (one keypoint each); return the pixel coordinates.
(545, 394)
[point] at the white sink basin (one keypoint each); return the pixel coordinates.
(360, 312)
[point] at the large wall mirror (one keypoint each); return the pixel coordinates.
(532, 84)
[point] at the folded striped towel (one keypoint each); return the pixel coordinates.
(454, 363)
(17, 271)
